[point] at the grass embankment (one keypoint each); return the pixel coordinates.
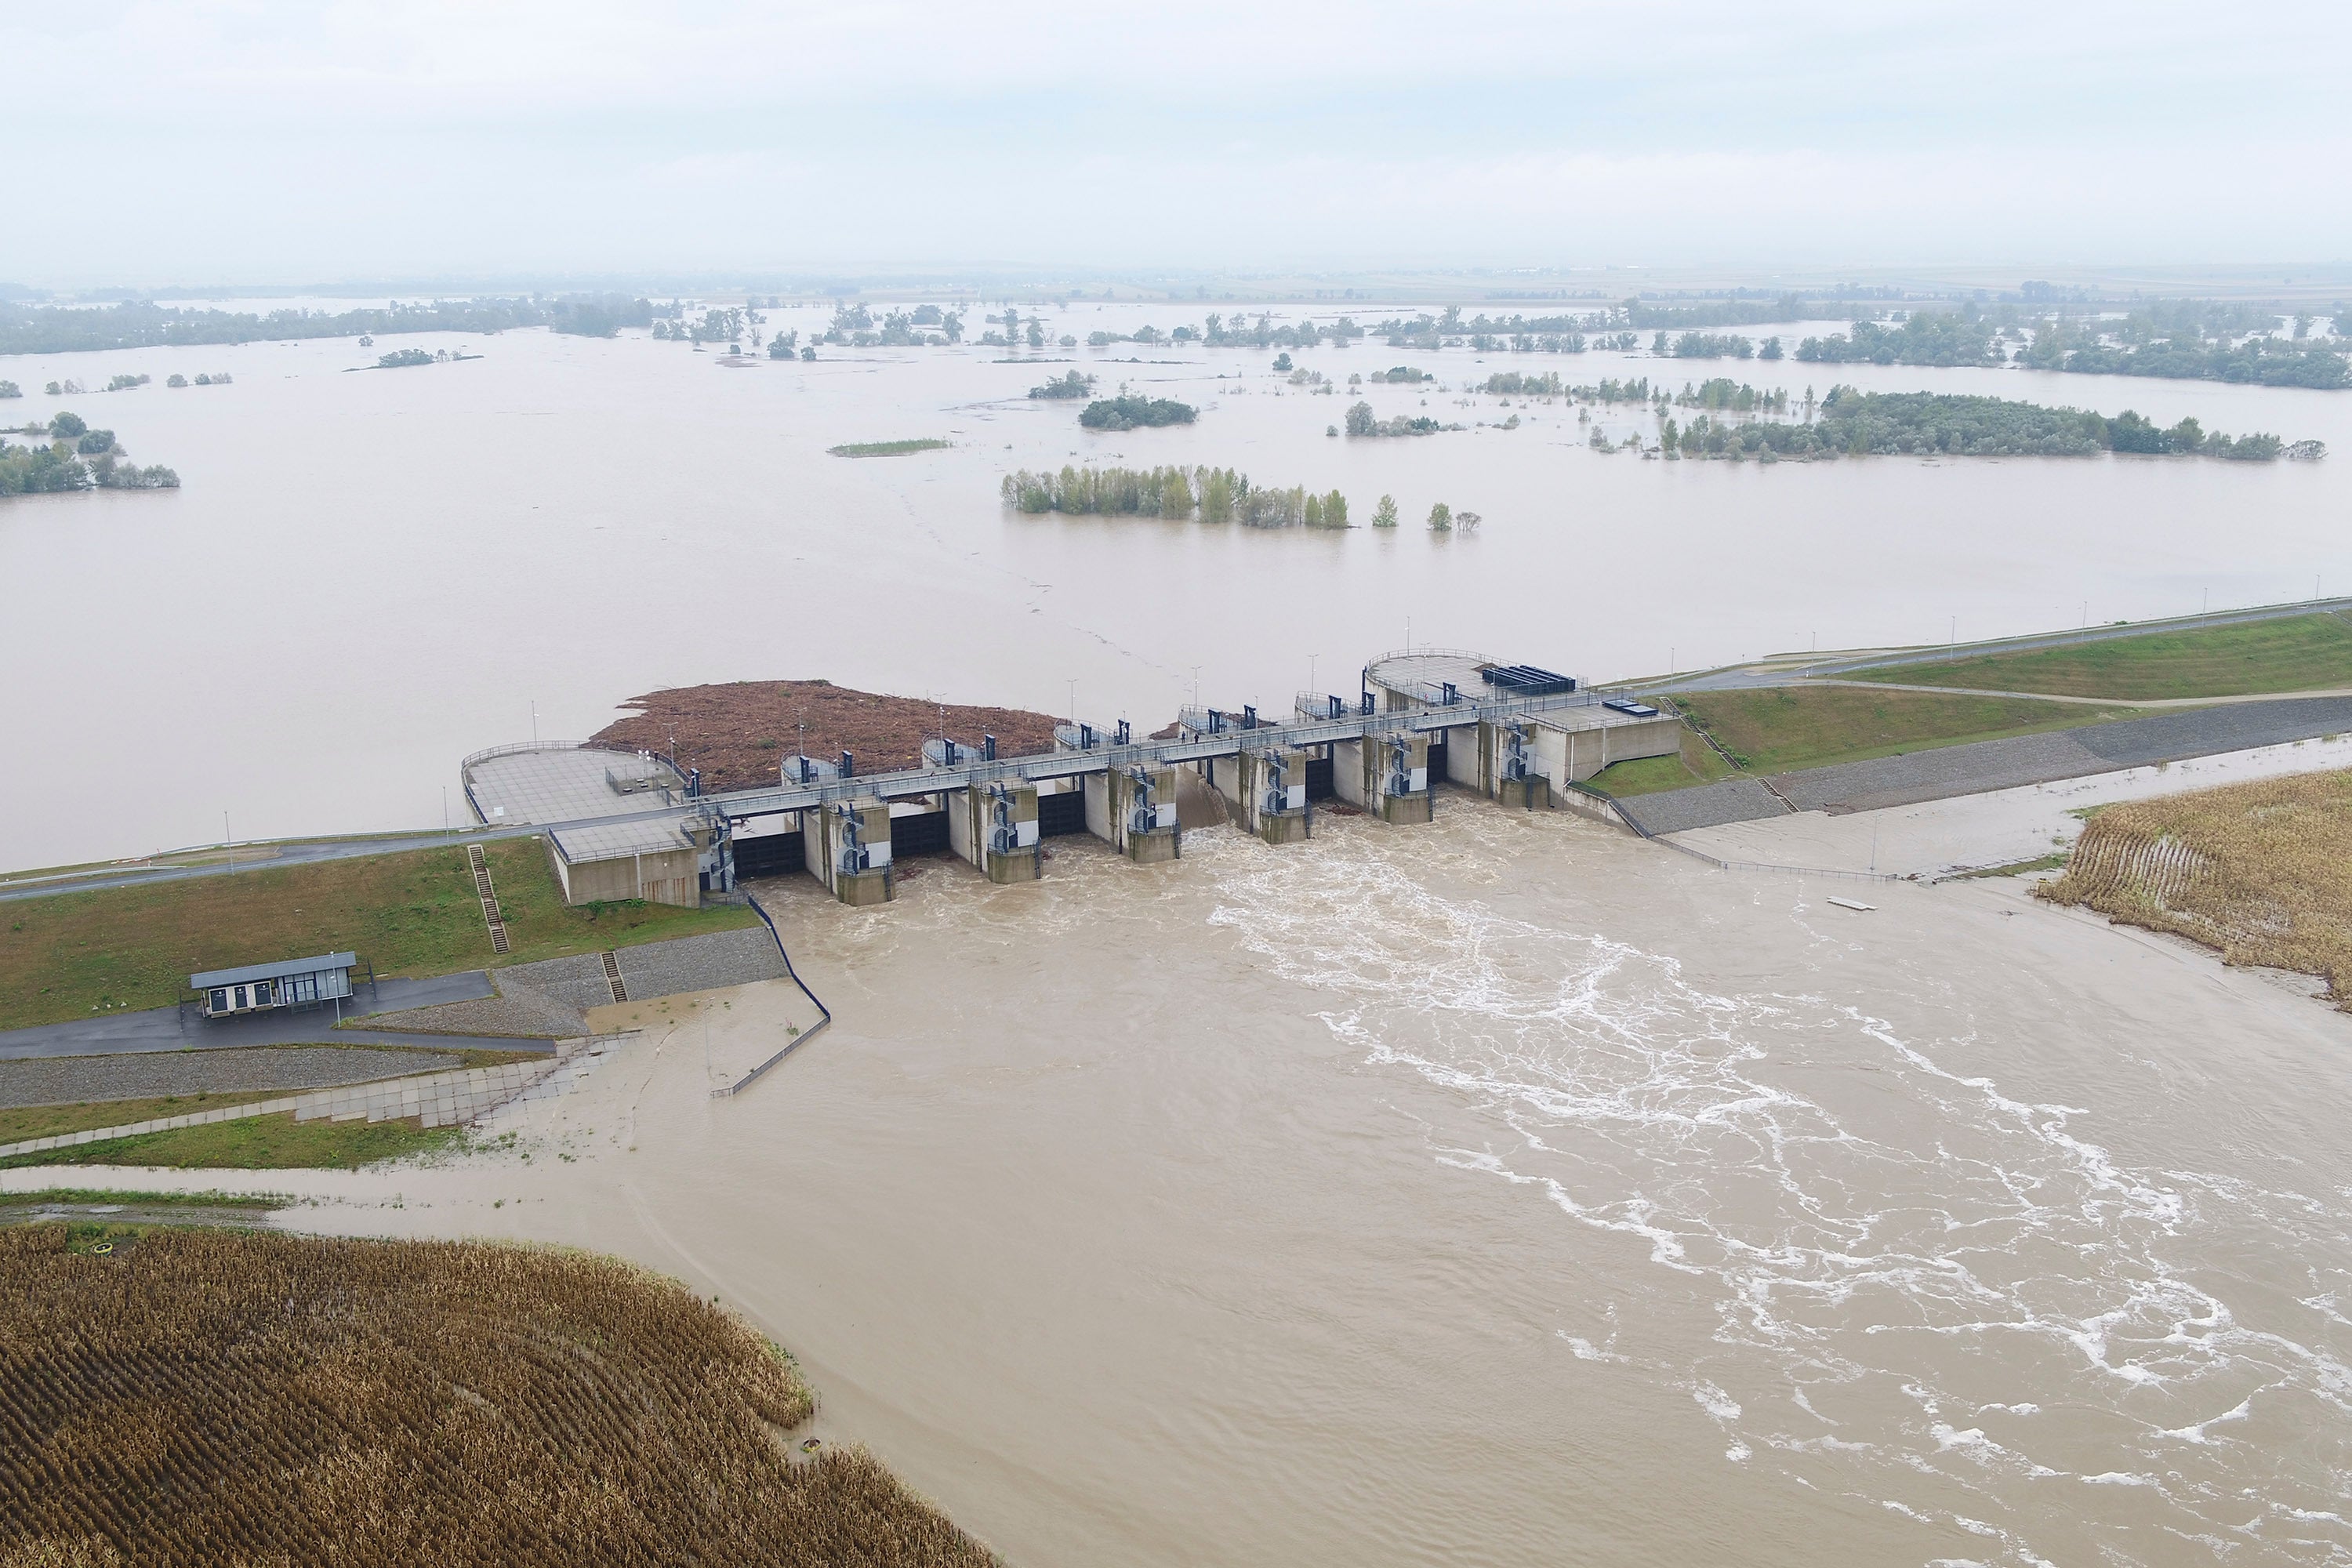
(2257, 870)
(887, 448)
(1783, 729)
(398, 1401)
(1698, 763)
(276, 1143)
(71, 954)
(87, 1195)
(2300, 653)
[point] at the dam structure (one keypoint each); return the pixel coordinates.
(630, 824)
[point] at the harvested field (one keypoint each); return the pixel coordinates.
(210, 1397)
(2261, 870)
(739, 732)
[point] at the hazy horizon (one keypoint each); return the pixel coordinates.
(267, 143)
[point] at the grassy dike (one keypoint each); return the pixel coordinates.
(414, 913)
(2297, 653)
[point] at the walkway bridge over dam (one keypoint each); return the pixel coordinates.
(1515, 734)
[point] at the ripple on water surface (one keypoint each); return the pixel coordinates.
(1926, 1294)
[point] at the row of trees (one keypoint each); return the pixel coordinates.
(34, 471)
(1709, 345)
(1855, 424)
(136, 324)
(1213, 495)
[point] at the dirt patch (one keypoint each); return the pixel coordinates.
(739, 732)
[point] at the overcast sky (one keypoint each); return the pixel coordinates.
(261, 141)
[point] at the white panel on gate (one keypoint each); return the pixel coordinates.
(1298, 797)
(1025, 834)
(878, 856)
(1420, 780)
(1164, 814)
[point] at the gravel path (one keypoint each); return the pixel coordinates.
(700, 963)
(70, 1080)
(520, 1008)
(1703, 805)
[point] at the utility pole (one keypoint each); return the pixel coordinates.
(228, 842)
(534, 720)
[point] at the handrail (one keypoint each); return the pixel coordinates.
(797, 1041)
(766, 800)
(516, 748)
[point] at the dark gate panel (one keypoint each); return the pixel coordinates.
(1437, 756)
(1059, 814)
(925, 834)
(771, 855)
(1318, 779)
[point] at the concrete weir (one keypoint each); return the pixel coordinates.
(1512, 734)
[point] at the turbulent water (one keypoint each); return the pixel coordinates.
(368, 575)
(1926, 1290)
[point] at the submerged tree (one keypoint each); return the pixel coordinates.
(1441, 517)
(1384, 515)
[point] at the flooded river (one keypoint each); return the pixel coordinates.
(368, 575)
(1508, 1193)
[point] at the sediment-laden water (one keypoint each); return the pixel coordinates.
(1508, 1192)
(368, 575)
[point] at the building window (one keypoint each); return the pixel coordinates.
(219, 1002)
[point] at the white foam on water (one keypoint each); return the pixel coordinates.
(1870, 1259)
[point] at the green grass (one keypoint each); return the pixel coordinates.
(2299, 653)
(71, 954)
(2050, 862)
(87, 1195)
(20, 1122)
(1782, 728)
(1698, 763)
(887, 448)
(254, 1143)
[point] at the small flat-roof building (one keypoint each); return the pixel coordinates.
(291, 983)
(656, 859)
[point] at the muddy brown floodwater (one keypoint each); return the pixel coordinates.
(1503, 1192)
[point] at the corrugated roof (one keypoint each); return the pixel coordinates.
(251, 972)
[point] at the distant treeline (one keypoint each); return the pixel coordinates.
(2184, 340)
(1213, 495)
(137, 324)
(1856, 424)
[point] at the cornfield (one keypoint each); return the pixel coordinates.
(2262, 870)
(225, 1398)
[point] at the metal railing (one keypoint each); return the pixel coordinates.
(517, 748)
(1044, 765)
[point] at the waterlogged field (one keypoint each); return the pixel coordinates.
(199, 1396)
(522, 536)
(2262, 872)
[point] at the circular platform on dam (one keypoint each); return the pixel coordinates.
(1422, 674)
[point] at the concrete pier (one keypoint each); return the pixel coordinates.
(848, 849)
(1387, 776)
(1133, 809)
(1267, 788)
(994, 826)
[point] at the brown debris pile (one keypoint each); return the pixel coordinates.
(739, 732)
(206, 1397)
